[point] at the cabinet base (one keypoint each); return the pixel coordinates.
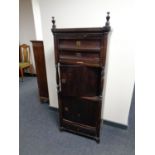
(44, 99)
(97, 139)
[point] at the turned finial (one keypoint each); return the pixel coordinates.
(107, 18)
(53, 22)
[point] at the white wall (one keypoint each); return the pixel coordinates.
(119, 79)
(26, 25)
(37, 19)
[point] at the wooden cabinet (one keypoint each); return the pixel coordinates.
(38, 50)
(80, 55)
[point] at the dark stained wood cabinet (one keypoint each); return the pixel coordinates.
(38, 50)
(80, 55)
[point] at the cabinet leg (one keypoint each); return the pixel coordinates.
(44, 99)
(61, 128)
(97, 140)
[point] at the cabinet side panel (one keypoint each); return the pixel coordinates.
(38, 50)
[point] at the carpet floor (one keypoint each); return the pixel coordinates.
(39, 133)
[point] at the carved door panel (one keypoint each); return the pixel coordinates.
(81, 111)
(79, 80)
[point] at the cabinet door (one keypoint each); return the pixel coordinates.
(79, 80)
(81, 111)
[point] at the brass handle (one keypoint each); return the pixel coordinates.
(79, 62)
(78, 43)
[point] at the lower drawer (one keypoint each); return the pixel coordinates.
(77, 128)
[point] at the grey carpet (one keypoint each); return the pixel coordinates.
(39, 133)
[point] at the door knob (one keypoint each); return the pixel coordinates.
(78, 43)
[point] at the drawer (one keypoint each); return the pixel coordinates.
(76, 128)
(79, 60)
(79, 55)
(82, 45)
(83, 61)
(82, 111)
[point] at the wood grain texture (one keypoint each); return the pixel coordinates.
(80, 55)
(38, 50)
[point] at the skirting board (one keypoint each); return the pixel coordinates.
(114, 124)
(106, 122)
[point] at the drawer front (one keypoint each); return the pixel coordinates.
(81, 111)
(73, 127)
(79, 44)
(78, 60)
(80, 55)
(79, 80)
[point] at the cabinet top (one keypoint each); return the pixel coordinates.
(104, 29)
